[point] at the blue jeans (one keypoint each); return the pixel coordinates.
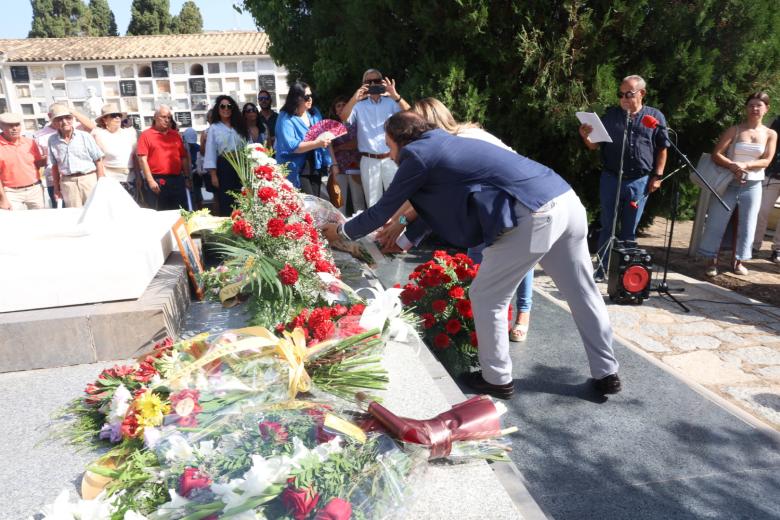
(525, 291)
(747, 198)
(631, 191)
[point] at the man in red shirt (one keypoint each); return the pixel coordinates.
(20, 158)
(165, 163)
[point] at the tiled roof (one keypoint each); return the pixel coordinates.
(135, 47)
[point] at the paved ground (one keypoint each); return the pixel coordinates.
(669, 446)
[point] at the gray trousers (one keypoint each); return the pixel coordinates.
(555, 236)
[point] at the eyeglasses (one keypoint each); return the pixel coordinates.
(114, 115)
(249, 110)
(307, 97)
(224, 106)
(264, 98)
(375, 81)
(628, 95)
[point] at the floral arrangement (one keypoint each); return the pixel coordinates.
(438, 293)
(326, 322)
(274, 251)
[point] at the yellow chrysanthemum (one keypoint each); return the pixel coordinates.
(151, 409)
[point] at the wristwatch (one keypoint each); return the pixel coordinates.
(403, 220)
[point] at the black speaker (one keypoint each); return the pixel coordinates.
(630, 271)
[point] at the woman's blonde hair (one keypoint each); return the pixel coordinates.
(434, 111)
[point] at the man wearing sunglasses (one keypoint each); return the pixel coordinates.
(372, 104)
(268, 114)
(643, 163)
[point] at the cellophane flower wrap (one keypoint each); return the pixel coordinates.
(273, 250)
(437, 293)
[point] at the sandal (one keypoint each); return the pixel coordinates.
(519, 332)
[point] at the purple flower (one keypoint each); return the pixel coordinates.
(112, 432)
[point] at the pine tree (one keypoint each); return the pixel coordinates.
(103, 21)
(149, 17)
(523, 67)
(59, 18)
(189, 20)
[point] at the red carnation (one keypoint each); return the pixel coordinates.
(439, 305)
(323, 266)
(282, 211)
(288, 275)
(244, 229)
(307, 218)
(440, 254)
(191, 480)
(275, 227)
(453, 326)
(299, 502)
(336, 509)
(237, 213)
(273, 431)
(295, 231)
(266, 193)
(428, 320)
(323, 330)
(441, 341)
(356, 310)
(464, 308)
(260, 148)
(311, 253)
(457, 293)
(265, 172)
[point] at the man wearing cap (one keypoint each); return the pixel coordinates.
(165, 162)
(371, 105)
(268, 114)
(41, 138)
(75, 158)
(118, 144)
(20, 185)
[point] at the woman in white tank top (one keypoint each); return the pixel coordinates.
(753, 150)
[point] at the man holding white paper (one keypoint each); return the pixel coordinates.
(643, 162)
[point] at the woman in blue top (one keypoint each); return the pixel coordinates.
(226, 134)
(306, 160)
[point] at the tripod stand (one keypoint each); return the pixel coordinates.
(662, 287)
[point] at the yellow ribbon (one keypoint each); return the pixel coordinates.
(292, 348)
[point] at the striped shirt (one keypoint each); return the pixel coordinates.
(77, 156)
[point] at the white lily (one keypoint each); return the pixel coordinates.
(120, 402)
(180, 450)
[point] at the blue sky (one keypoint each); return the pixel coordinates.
(218, 15)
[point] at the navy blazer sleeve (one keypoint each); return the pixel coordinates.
(411, 175)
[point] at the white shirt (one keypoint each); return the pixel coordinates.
(370, 117)
(118, 146)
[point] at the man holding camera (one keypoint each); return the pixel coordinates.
(373, 103)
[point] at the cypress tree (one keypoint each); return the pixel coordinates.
(59, 18)
(103, 22)
(189, 20)
(149, 17)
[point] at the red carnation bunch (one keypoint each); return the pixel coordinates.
(244, 229)
(266, 193)
(438, 293)
(323, 323)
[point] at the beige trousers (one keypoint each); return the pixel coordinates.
(30, 197)
(76, 190)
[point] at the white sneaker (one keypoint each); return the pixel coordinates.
(740, 270)
(712, 271)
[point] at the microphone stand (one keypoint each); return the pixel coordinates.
(699, 175)
(607, 247)
(662, 287)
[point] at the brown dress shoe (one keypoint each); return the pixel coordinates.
(608, 385)
(476, 382)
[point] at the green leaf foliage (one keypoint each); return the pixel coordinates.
(59, 19)
(150, 17)
(522, 68)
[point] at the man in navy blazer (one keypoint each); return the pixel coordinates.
(470, 192)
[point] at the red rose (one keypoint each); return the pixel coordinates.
(266, 193)
(288, 275)
(428, 320)
(457, 293)
(336, 509)
(299, 502)
(272, 431)
(441, 341)
(473, 339)
(275, 227)
(439, 305)
(191, 480)
(464, 308)
(453, 326)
